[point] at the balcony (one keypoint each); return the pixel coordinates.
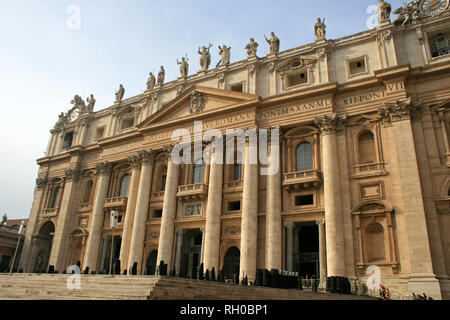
(158, 196)
(192, 192)
(369, 170)
(302, 180)
(116, 202)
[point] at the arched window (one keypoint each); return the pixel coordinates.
(304, 157)
(55, 198)
(366, 148)
(88, 192)
(123, 192)
(198, 175)
(375, 245)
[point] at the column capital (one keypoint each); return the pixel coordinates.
(167, 152)
(135, 161)
(41, 182)
(72, 174)
(329, 123)
(103, 167)
(147, 155)
(399, 110)
(320, 222)
(289, 225)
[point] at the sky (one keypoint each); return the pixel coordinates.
(51, 50)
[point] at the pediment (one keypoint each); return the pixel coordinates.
(197, 101)
(295, 63)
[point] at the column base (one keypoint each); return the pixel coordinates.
(420, 283)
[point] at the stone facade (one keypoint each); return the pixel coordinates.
(364, 176)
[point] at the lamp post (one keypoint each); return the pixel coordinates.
(114, 217)
(21, 232)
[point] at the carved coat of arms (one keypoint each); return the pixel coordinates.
(197, 103)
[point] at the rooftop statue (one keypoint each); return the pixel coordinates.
(205, 57)
(408, 14)
(120, 93)
(79, 103)
(184, 67)
(151, 81)
(320, 29)
(161, 76)
(91, 103)
(4, 219)
(224, 53)
(251, 47)
(273, 42)
(384, 12)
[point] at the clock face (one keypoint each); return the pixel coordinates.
(74, 114)
(433, 7)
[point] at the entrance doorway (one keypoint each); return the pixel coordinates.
(150, 266)
(42, 245)
(190, 253)
(231, 262)
(306, 250)
(106, 254)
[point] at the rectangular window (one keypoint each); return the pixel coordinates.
(304, 200)
(198, 174)
(237, 87)
(234, 206)
(99, 133)
(127, 123)
(440, 44)
(297, 79)
(163, 182)
(68, 138)
(357, 66)
(237, 172)
(157, 213)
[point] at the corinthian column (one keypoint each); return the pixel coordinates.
(138, 236)
(213, 215)
(333, 202)
(96, 221)
(249, 224)
(422, 275)
(273, 212)
(25, 261)
(135, 163)
(66, 211)
(168, 216)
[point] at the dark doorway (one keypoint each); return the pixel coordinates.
(150, 268)
(107, 253)
(190, 253)
(306, 256)
(231, 262)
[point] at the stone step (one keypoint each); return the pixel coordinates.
(103, 287)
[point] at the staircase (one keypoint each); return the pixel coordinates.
(101, 287)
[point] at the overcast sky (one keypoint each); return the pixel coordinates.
(46, 57)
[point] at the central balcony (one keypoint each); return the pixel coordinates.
(193, 192)
(295, 181)
(116, 202)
